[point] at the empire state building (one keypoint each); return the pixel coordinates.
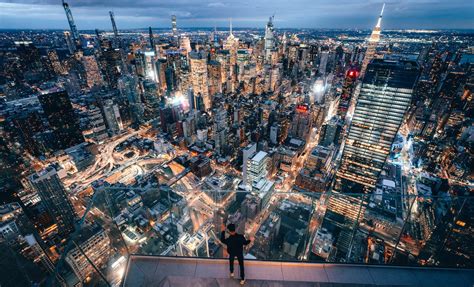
(372, 45)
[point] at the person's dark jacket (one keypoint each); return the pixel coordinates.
(235, 243)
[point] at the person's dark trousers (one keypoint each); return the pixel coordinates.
(240, 258)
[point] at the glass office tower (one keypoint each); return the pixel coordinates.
(383, 100)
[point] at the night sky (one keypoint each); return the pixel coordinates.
(90, 14)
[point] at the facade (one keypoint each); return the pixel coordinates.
(174, 27)
(61, 118)
(97, 130)
(215, 80)
(199, 77)
(247, 153)
(93, 243)
(269, 40)
(112, 66)
(302, 122)
(72, 25)
(257, 167)
(54, 198)
(93, 74)
(384, 98)
(112, 117)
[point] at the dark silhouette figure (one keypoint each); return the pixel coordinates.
(235, 247)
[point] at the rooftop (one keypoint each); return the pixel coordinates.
(259, 156)
(181, 271)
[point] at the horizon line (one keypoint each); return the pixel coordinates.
(244, 27)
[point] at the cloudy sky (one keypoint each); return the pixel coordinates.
(90, 14)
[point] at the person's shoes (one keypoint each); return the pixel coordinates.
(232, 275)
(242, 281)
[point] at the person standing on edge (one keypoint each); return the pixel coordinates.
(235, 247)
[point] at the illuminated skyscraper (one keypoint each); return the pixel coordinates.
(55, 63)
(232, 44)
(199, 77)
(72, 25)
(54, 198)
(61, 118)
(269, 39)
(93, 75)
(174, 26)
(372, 45)
(185, 44)
(384, 97)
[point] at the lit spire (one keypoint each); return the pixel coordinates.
(379, 22)
(230, 20)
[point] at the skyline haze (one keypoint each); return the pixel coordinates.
(417, 14)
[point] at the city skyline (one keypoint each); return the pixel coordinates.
(134, 15)
(319, 146)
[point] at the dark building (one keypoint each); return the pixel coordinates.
(200, 166)
(61, 118)
(112, 66)
(54, 198)
(27, 125)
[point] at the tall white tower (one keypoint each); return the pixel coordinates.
(372, 45)
(269, 39)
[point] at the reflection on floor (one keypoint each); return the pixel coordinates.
(197, 272)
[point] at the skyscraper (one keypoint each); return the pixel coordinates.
(220, 129)
(302, 122)
(215, 77)
(231, 44)
(152, 40)
(61, 118)
(269, 39)
(384, 97)
(114, 26)
(54, 198)
(94, 243)
(112, 66)
(257, 167)
(112, 117)
(199, 77)
(372, 45)
(127, 86)
(116, 41)
(247, 153)
(70, 44)
(93, 74)
(173, 26)
(72, 25)
(185, 44)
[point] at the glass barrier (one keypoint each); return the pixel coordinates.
(187, 219)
